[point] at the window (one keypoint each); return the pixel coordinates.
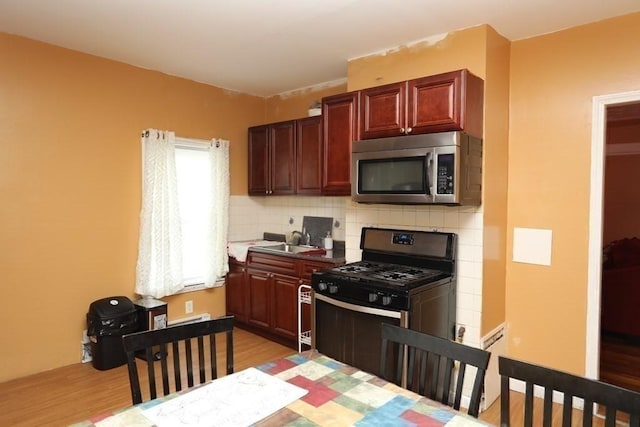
(193, 170)
(184, 215)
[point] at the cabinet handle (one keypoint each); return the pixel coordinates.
(409, 130)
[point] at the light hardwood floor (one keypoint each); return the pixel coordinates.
(77, 392)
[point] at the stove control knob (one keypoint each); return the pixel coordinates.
(322, 286)
(386, 300)
(373, 297)
(333, 288)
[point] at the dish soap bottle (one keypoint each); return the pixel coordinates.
(328, 241)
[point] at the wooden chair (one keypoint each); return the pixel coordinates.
(614, 398)
(153, 345)
(430, 365)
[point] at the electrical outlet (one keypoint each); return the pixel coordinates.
(188, 307)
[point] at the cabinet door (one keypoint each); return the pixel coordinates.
(236, 291)
(283, 160)
(383, 111)
(284, 314)
(259, 284)
(309, 155)
(259, 161)
(340, 116)
(446, 102)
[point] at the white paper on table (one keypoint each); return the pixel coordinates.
(239, 399)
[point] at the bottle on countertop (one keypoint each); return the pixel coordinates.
(328, 241)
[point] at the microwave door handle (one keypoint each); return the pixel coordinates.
(430, 177)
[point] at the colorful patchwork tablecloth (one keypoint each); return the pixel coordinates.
(341, 395)
(336, 395)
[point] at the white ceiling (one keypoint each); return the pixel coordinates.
(267, 47)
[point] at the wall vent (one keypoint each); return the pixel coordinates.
(190, 319)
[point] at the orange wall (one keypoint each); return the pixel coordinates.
(496, 166)
(553, 81)
(453, 51)
(294, 104)
(70, 187)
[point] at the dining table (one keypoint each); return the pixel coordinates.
(304, 389)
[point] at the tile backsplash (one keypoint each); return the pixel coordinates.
(249, 217)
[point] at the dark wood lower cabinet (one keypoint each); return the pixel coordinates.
(236, 291)
(263, 294)
(284, 320)
(259, 298)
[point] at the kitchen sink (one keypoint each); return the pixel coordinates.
(294, 249)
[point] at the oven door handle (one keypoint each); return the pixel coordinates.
(359, 308)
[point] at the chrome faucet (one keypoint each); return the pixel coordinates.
(295, 238)
(300, 238)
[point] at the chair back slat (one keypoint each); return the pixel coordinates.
(462, 368)
(431, 365)
(615, 399)
(192, 338)
(148, 353)
(175, 348)
(165, 370)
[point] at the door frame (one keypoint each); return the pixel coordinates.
(596, 206)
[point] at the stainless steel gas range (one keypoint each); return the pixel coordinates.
(406, 278)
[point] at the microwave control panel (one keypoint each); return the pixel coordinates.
(444, 183)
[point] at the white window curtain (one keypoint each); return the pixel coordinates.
(217, 261)
(159, 268)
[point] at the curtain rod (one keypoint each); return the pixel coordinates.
(185, 142)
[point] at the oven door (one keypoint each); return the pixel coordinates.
(351, 333)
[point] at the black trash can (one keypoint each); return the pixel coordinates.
(108, 320)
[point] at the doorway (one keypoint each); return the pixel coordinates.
(601, 104)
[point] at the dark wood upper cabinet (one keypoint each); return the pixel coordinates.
(444, 102)
(272, 159)
(309, 155)
(340, 115)
(383, 111)
(259, 170)
(283, 157)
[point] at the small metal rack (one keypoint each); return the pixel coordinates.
(304, 297)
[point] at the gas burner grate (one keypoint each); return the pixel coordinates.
(392, 274)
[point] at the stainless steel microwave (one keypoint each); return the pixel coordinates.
(435, 168)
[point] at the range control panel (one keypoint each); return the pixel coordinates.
(402, 238)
